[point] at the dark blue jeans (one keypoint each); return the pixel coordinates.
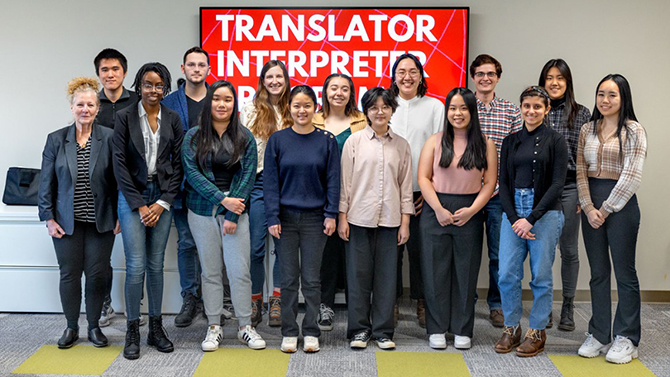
(300, 248)
(493, 211)
(258, 229)
(145, 253)
(187, 253)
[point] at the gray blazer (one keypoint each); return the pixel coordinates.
(59, 176)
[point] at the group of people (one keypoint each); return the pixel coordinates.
(343, 192)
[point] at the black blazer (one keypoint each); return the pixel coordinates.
(549, 172)
(130, 167)
(59, 177)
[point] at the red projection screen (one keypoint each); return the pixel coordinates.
(315, 42)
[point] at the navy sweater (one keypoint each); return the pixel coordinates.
(301, 172)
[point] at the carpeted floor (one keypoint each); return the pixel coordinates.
(25, 350)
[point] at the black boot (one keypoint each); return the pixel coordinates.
(187, 312)
(131, 350)
(567, 315)
(157, 336)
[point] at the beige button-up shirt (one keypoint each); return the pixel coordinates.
(376, 184)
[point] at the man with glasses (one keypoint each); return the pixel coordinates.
(498, 118)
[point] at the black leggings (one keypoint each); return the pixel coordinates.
(87, 251)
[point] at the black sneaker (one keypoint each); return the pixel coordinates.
(360, 340)
(187, 312)
(326, 317)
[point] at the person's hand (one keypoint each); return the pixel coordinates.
(328, 226)
(228, 227)
(462, 216)
(596, 219)
(275, 230)
(54, 229)
(117, 227)
(151, 215)
(403, 234)
(444, 217)
(418, 205)
(522, 229)
(579, 209)
(343, 229)
(234, 205)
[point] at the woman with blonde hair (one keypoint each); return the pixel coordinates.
(77, 199)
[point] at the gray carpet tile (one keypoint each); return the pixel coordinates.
(22, 334)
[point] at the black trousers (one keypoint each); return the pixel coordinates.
(414, 256)
(617, 238)
(85, 251)
(333, 269)
(450, 259)
(371, 269)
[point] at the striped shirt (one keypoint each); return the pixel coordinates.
(84, 209)
(499, 119)
(598, 157)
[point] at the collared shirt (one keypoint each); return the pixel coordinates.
(376, 183)
(599, 156)
(415, 121)
(247, 118)
(558, 120)
(108, 109)
(499, 119)
(151, 141)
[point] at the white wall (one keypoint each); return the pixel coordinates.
(45, 43)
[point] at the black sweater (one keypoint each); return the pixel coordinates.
(549, 170)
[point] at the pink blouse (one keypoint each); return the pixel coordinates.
(454, 179)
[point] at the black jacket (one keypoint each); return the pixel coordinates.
(130, 167)
(59, 177)
(549, 170)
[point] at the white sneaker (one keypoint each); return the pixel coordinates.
(311, 344)
(289, 344)
(213, 339)
(437, 341)
(250, 337)
(143, 320)
(106, 315)
(592, 347)
(462, 342)
(385, 343)
(622, 351)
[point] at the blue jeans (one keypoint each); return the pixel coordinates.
(145, 252)
(513, 252)
(493, 210)
(187, 253)
(258, 229)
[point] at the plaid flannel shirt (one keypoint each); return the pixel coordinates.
(558, 121)
(202, 195)
(500, 119)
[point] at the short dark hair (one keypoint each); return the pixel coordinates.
(372, 95)
(423, 85)
(535, 91)
(110, 53)
(160, 70)
(485, 59)
(196, 50)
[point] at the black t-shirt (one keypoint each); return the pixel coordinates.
(526, 156)
(194, 109)
(223, 174)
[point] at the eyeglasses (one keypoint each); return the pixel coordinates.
(376, 109)
(402, 73)
(149, 87)
(490, 75)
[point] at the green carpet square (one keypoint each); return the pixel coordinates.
(80, 359)
(577, 366)
(425, 364)
(243, 362)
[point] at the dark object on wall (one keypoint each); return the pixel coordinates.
(21, 186)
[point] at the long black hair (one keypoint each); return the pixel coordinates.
(475, 150)
(207, 142)
(571, 106)
(160, 70)
(626, 112)
(423, 85)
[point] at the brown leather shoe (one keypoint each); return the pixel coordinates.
(550, 324)
(421, 312)
(497, 318)
(532, 344)
(511, 337)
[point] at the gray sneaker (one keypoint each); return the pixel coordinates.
(106, 315)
